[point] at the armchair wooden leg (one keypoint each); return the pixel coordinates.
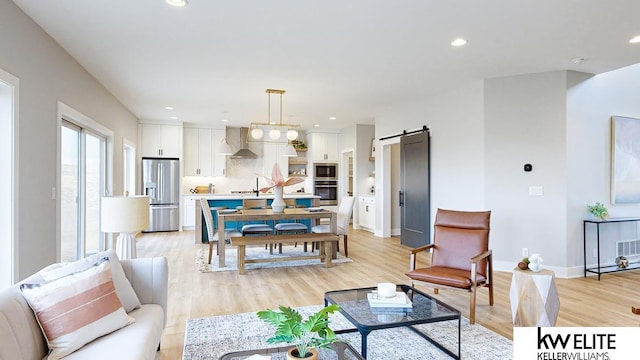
(210, 250)
(491, 294)
(472, 307)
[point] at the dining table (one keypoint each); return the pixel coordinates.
(253, 215)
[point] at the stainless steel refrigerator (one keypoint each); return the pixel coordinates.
(161, 182)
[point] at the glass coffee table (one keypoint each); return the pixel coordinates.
(338, 351)
(355, 307)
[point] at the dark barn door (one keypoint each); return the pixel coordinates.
(414, 192)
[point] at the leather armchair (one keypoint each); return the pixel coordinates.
(460, 255)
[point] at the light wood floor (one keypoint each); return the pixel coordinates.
(584, 301)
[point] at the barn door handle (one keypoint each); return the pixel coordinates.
(401, 198)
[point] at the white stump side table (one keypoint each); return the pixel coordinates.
(534, 298)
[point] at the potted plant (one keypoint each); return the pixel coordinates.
(598, 211)
(314, 332)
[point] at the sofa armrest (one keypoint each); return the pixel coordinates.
(149, 278)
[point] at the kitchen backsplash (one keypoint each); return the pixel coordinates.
(226, 184)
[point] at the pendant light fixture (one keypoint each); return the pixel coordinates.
(272, 128)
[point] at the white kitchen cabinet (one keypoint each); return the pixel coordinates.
(161, 140)
(274, 153)
(367, 212)
(200, 158)
(219, 161)
(189, 212)
(323, 147)
(198, 153)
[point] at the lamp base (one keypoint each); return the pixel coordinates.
(126, 246)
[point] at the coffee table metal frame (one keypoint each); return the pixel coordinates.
(356, 299)
(343, 351)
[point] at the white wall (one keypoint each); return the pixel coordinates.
(47, 74)
(483, 134)
(456, 121)
(591, 101)
(525, 123)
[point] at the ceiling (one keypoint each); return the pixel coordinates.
(214, 59)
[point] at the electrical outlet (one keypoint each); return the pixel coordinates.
(525, 252)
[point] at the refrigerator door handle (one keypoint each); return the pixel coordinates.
(160, 184)
(162, 207)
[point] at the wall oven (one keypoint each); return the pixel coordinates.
(325, 171)
(327, 190)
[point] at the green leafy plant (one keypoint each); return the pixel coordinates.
(599, 211)
(304, 334)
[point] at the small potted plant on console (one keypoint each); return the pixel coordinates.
(306, 335)
(598, 211)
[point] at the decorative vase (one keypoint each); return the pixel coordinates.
(278, 203)
(312, 354)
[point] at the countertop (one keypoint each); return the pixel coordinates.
(252, 196)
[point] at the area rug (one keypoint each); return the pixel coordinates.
(259, 252)
(212, 337)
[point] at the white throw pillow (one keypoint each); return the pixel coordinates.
(124, 289)
(76, 309)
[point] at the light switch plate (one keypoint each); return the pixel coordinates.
(536, 191)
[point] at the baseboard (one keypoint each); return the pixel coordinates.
(560, 272)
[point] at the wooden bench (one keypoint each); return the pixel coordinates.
(324, 254)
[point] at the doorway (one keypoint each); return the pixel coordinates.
(8, 182)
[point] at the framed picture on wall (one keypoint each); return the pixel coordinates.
(625, 160)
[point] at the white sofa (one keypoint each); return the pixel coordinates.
(22, 338)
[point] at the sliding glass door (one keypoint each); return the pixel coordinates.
(83, 164)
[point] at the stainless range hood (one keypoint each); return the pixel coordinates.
(244, 152)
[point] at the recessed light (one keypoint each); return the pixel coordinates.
(316, 125)
(578, 61)
(635, 40)
(224, 120)
(168, 107)
(177, 3)
(332, 118)
(459, 42)
(174, 117)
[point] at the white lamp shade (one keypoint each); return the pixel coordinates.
(124, 214)
(289, 151)
(224, 148)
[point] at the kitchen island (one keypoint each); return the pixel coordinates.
(232, 201)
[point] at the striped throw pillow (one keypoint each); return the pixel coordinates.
(76, 309)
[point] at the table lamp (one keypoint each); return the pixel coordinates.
(125, 215)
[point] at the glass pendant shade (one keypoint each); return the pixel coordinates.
(257, 133)
(274, 134)
(292, 134)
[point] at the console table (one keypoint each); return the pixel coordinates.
(599, 268)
